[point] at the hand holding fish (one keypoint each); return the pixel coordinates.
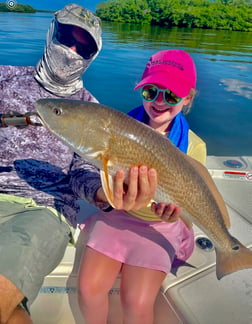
(141, 187)
(138, 191)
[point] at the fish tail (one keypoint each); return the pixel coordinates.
(238, 258)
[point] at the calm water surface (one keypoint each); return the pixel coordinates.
(222, 111)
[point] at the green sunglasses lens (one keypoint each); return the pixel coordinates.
(171, 98)
(150, 93)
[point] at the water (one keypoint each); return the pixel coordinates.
(222, 111)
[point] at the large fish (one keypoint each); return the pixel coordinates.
(111, 140)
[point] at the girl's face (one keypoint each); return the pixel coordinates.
(161, 114)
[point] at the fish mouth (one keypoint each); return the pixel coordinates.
(39, 118)
(35, 119)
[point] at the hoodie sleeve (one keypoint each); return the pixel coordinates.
(85, 181)
(6, 72)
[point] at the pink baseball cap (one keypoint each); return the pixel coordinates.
(172, 69)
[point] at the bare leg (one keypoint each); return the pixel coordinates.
(19, 316)
(10, 311)
(139, 289)
(96, 277)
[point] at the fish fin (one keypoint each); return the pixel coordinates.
(238, 258)
(176, 264)
(107, 181)
(107, 185)
(217, 196)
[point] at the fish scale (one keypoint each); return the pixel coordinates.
(111, 140)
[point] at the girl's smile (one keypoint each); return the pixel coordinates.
(159, 110)
(161, 114)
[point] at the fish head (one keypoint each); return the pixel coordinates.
(78, 124)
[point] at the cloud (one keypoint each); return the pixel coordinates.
(239, 87)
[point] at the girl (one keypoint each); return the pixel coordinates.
(142, 243)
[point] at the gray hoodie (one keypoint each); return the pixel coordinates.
(33, 162)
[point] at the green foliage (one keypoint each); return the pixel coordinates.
(130, 11)
(16, 8)
(219, 14)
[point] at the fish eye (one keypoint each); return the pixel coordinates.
(57, 111)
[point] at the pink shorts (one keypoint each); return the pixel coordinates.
(152, 245)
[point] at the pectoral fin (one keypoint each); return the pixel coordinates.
(107, 182)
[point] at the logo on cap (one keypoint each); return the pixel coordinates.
(167, 62)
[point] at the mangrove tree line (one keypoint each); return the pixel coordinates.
(4, 7)
(220, 14)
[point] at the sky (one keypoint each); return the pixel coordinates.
(57, 4)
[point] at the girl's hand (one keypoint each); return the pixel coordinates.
(169, 213)
(137, 193)
(140, 189)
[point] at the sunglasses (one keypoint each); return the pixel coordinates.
(150, 92)
(63, 34)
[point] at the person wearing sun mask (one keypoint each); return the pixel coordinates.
(37, 205)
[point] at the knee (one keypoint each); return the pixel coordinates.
(135, 304)
(83, 294)
(87, 291)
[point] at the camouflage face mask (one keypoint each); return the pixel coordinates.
(60, 69)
